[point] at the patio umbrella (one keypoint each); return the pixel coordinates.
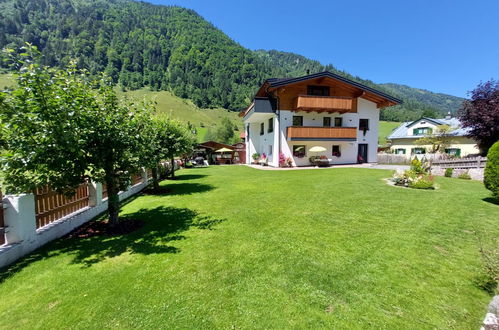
(223, 150)
(227, 149)
(317, 149)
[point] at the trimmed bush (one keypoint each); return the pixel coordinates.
(464, 176)
(422, 183)
(448, 172)
(491, 174)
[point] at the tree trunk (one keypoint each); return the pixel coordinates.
(155, 180)
(172, 173)
(113, 201)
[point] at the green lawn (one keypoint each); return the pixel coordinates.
(239, 248)
(385, 129)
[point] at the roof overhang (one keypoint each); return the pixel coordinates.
(433, 121)
(271, 84)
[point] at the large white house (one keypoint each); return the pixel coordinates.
(292, 115)
(404, 138)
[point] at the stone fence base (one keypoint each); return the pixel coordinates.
(475, 173)
(22, 236)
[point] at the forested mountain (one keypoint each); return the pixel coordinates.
(417, 102)
(169, 48)
(439, 101)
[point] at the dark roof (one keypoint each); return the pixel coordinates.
(431, 120)
(276, 82)
(214, 145)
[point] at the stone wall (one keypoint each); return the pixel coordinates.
(22, 236)
(491, 321)
(475, 173)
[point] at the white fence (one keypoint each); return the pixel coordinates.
(472, 162)
(21, 233)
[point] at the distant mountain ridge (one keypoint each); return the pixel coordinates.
(416, 100)
(172, 48)
(441, 101)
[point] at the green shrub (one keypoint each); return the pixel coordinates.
(464, 176)
(491, 174)
(422, 182)
(416, 166)
(255, 156)
(448, 172)
(412, 179)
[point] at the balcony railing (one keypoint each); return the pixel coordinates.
(326, 104)
(326, 133)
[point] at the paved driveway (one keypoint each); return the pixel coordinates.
(372, 166)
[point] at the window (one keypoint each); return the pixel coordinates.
(270, 150)
(271, 125)
(318, 90)
(336, 151)
(364, 124)
(299, 151)
(400, 151)
(453, 152)
(297, 120)
(421, 131)
(418, 151)
(338, 122)
(326, 121)
(262, 128)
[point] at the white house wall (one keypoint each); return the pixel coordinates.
(421, 124)
(260, 143)
(368, 110)
(349, 149)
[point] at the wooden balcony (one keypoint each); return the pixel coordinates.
(322, 133)
(326, 104)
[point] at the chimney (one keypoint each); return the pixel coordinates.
(449, 116)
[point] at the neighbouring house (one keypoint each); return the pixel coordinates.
(403, 138)
(292, 115)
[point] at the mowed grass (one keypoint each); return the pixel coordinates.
(235, 247)
(385, 129)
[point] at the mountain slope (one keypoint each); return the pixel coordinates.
(416, 101)
(165, 48)
(203, 120)
(443, 102)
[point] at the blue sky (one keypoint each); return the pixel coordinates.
(440, 45)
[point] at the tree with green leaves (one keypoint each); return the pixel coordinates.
(225, 132)
(117, 143)
(159, 147)
(491, 173)
(177, 141)
(440, 139)
(60, 127)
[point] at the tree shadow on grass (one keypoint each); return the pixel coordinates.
(190, 176)
(183, 189)
(163, 226)
(491, 200)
